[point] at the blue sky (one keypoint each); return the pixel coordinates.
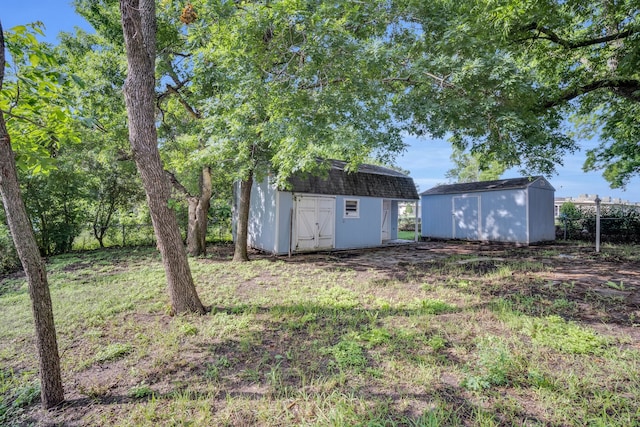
(427, 160)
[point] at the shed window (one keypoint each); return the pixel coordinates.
(352, 208)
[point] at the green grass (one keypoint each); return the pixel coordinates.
(456, 339)
(406, 235)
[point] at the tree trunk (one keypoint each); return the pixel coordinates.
(139, 26)
(51, 390)
(240, 252)
(198, 216)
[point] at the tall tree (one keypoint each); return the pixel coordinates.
(289, 82)
(469, 167)
(25, 43)
(503, 76)
(139, 29)
(176, 104)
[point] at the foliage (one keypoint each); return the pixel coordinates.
(569, 210)
(9, 260)
(618, 224)
(469, 167)
(290, 82)
(55, 206)
(34, 99)
(501, 77)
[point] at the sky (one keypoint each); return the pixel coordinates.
(427, 160)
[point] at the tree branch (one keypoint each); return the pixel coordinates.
(629, 89)
(19, 117)
(569, 44)
(176, 184)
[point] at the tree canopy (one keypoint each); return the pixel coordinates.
(503, 76)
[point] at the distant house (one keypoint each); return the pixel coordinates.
(338, 210)
(518, 210)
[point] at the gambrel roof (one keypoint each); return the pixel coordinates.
(499, 184)
(369, 180)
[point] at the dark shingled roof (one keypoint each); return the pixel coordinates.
(369, 180)
(470, 187)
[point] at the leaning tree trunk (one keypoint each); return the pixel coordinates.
(240, 252)
(139, 26)
(198, 215)
(51, 390)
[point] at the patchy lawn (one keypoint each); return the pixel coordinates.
(433, 333)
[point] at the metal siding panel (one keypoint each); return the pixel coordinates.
(542, 225)
(285, 205)
(359, 232)
(262, 216)
(504, 216)
(466, 217)
(437, 220)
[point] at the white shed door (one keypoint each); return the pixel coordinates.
(386, 220)
(315, 222)
(466, 218)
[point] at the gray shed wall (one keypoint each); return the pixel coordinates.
(365, 231)
(541, 221)
(263, 217)
(515, 215)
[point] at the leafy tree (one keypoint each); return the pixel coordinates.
(110, 180)
(139, 27)
(31, 101)
(289, 82)
(469, 167)
(55, 203)
(570, 211)
(502, 76)
(180, 132)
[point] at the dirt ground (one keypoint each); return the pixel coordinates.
(584, 275)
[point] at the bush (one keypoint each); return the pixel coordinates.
(617, 225)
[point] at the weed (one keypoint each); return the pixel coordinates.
(112, 352)
(348, 354)
(375, 336)
(437, 343)
(338, 298)
(94, 391)
(494, 367)
(15, 395)
(435, 306)
(213, 370)
(141, 391)
(188, 329)
(564, 336)
(618, 286)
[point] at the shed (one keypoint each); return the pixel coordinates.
(518, 210)
(336, 210)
